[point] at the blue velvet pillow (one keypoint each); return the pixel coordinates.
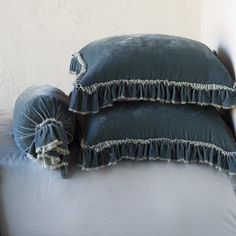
(153, 131)
(149, 67)
(43, 126)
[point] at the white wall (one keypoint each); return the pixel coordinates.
(218, 31)
(38, 37)
(218, 28)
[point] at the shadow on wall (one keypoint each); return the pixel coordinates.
(224, 57)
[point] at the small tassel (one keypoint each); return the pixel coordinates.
(75, 66)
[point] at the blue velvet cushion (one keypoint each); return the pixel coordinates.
(146, 130)
(149, 67)
(43, 126)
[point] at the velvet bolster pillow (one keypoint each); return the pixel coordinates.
(42, 125)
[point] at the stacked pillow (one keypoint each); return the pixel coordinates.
(152, 97)
(157, 131)
(149, 67)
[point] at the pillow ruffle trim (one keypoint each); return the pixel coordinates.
(90, 99)
(110, 152)
(50, 144)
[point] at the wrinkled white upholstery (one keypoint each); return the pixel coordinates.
(131, 198)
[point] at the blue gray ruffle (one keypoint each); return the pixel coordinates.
(90, 99)
(50, 144)
(108, 153)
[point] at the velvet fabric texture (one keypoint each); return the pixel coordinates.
(149, 67)
(42, 125)
(153, 131)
